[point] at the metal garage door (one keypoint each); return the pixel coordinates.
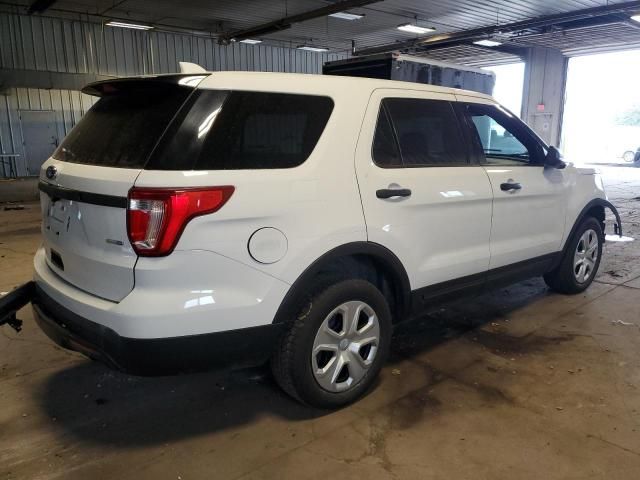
(39, 136)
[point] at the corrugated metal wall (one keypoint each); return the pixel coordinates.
(52, 44)
(68, 106)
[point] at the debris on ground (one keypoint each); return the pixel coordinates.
(11, 206)
(395, 371)
(613, 273)
(622, 323)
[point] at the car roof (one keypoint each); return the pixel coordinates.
(339, 82)
(310, 82)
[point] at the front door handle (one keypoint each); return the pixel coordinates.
(510, 186)
(393, 192)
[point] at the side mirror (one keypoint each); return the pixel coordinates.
(554, 159)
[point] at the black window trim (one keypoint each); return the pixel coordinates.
(470, 158)
(514, 123)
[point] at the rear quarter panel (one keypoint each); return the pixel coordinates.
(315, 205)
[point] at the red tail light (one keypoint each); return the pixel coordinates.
(156, 217)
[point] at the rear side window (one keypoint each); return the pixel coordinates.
(122, 129)
(241, 130)
(386, 152)
(427, 133)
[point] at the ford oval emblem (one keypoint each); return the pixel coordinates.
(51, 172)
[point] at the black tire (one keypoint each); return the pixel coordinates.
(563, 278)
(291, 364)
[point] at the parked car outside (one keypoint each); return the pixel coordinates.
(630, 155)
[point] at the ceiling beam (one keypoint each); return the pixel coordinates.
(286, 22)
(465, 36)
(39, 6)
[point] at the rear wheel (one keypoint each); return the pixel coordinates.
(581, 259)
(336, 346)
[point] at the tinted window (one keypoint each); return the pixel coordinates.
(503, 142)
(122, 129)
(385, 150)
(427, 132)
(245, 130)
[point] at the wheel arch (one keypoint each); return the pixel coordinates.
(595, 208)
(366, 260)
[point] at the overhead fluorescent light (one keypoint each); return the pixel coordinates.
(311, 48)
(250, 41)
(487, 43)
(413, 28)
(346, 16)
(635, 18)
(135, 26)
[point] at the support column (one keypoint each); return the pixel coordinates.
(545, 79)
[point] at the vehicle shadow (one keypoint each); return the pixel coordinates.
(102, 406)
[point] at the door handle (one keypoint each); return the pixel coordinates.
(510, 186)
(393, 192)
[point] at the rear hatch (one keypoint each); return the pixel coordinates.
(84, 186)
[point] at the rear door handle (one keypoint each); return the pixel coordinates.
(510, 186)
(393, 192)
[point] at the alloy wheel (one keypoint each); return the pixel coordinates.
(586, 256)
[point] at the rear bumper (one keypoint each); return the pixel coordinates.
(147, 356)
(156, 356)
(184, 294)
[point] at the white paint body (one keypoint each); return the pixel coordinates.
(456, 222)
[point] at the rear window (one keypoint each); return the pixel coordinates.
(121, 130)
(240, 130)
(427, 133)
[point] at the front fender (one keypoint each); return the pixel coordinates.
(596, 202)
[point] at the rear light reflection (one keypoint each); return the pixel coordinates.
(156, 217)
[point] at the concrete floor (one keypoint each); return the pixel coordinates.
(519, 384)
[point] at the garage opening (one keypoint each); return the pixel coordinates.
(509, 85)
(602, 111)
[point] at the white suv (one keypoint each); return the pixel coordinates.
(192, 221)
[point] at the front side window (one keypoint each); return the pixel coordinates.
(503, 143)
(426, 133)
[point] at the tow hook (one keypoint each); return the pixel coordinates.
(13, 322)
(13, 301)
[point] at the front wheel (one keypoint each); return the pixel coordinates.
(581, 259)
(336, 346)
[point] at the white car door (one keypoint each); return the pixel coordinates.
(529, 207)
(422, 196)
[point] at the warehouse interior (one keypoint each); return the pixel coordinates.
(517, 383)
